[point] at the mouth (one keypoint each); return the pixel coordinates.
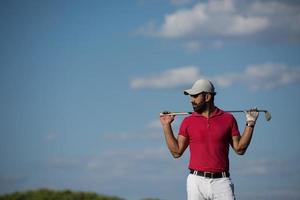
(194, 105)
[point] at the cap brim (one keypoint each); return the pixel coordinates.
(190, 92)
(185, 93)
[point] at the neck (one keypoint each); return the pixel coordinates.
(210, 109)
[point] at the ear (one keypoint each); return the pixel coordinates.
(208, 97)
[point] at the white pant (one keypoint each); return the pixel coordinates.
(200, 188)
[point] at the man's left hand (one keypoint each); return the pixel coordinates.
(251, 115)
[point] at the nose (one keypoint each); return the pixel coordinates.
(192, 100)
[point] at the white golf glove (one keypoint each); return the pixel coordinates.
(251, 115)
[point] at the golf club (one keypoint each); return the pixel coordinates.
(267, 113)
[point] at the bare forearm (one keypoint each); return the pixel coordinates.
(245, 140)
(247, 136)
(171, 141)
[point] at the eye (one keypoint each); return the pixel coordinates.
(195, 95)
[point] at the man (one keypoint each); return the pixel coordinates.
(208, 131)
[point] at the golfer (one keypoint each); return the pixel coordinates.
(208, 132)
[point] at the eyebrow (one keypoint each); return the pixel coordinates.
(195, 95)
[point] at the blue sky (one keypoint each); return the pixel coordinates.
(82, 84)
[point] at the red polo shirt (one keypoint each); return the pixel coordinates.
(209, 140)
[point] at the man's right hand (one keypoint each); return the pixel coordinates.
(166, 119)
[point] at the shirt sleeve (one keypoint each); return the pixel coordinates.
(183, 129)
(235, 129)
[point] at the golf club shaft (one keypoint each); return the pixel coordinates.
(267, 114)
(188, 113)
(233, 111)
(175, 113)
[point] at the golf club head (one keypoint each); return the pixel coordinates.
(268, 116)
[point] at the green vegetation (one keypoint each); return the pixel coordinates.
(46, 194)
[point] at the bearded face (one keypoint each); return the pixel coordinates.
(200, 107)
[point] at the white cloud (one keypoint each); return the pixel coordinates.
(261, 77)
(183, 22)
(246, 25)
(218, 20)
(168, 79)
(273, 7)
(256, 77)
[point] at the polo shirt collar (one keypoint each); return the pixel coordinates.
(216, 112)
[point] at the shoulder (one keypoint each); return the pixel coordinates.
(230, 121)
(190, 119)
(225, 115)
(187, 119)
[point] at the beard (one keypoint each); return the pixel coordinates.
(200, 107)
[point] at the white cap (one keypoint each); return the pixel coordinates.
(199, 86)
